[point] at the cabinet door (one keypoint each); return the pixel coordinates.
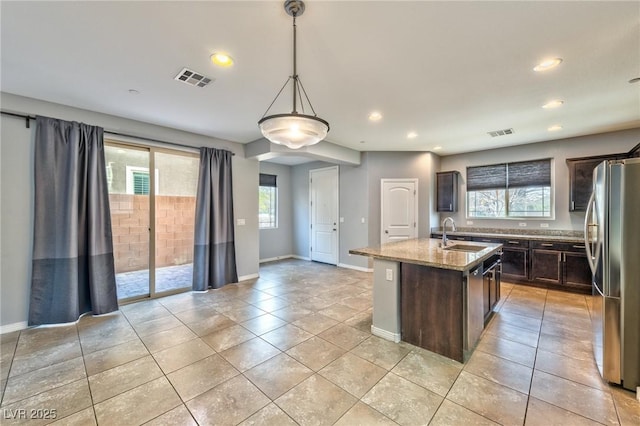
(581, 183)
(515, 264)
(546, 266)
(576, 269)
(447, 191)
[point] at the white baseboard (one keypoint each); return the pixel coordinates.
(295, 256)
(387, 335)
(13, 327)
(357, 268)
(271, 259)
(248, 277)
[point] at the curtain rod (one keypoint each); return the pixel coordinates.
(32, 117)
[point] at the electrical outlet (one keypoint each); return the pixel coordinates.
(241, 222)
(389, 274)
(342, 220)
(469, 222)
(544, 225)
(522, 224)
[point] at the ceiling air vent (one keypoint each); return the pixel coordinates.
(500, 132)
(192, 78)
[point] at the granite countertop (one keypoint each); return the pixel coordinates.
(549, 235)
(426, 251)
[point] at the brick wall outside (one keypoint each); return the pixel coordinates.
(130, 224)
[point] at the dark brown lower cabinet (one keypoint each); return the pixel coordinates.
(546, 266)
(577, 271)
(515, 263)
(569, 269)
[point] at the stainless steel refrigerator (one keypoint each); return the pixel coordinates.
(612, 237)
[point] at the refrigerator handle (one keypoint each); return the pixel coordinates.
(587, 234)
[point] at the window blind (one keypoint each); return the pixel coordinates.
(140, 183)
(509, 175)
(487, 177)
(268, 180)
(529, 173)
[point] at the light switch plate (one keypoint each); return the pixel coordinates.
(389, 274)
(362, 220)
(241, 222)
(342, 220)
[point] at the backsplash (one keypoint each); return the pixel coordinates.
(515, 231)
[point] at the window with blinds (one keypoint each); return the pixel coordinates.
(141, 183)
(268, 202)
(519, 190)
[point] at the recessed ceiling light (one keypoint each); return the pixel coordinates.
(412, 135)
(554, 128)
(222, 59)
(547, 64)
(375, 116)
(553, 104)
(437, 148)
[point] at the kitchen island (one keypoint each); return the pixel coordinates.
(431, 296)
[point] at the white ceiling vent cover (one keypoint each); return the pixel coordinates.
(500, 132)
(192, 78)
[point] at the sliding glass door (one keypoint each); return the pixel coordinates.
(175, 211)
(152, 218)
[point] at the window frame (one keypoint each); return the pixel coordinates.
(507, 189)
(129, 180)
(269, 182)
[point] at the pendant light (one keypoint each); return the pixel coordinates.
(294, 129)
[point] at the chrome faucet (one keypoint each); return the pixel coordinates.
(444, 229)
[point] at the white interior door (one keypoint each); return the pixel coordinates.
(399, 209)
(323, 190)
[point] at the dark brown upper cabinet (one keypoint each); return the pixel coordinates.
(447, 191)
(581, 179)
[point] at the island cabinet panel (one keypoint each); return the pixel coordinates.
(432, 309)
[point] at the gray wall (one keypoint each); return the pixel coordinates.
(559, 150)
(360, 198)
(300, 205)
(17, 194)
(353, 206)
(392, 165)
(279, 242)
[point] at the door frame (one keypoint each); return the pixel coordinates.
(415, 207)
(337, 244)
(151, 150)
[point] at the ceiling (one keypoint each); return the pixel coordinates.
(449, 71)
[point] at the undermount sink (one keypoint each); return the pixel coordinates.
(465, 247)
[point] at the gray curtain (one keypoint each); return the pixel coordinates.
(214, 257)
(73, 267)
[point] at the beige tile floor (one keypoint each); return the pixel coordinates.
(294, 347)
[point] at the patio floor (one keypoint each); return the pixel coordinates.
(136, 283)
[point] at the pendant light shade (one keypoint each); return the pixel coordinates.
(294, 130)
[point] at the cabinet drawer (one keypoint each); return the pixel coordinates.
(515, 243)
(554, 245)
(487, 240)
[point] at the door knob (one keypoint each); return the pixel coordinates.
(386, 231)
